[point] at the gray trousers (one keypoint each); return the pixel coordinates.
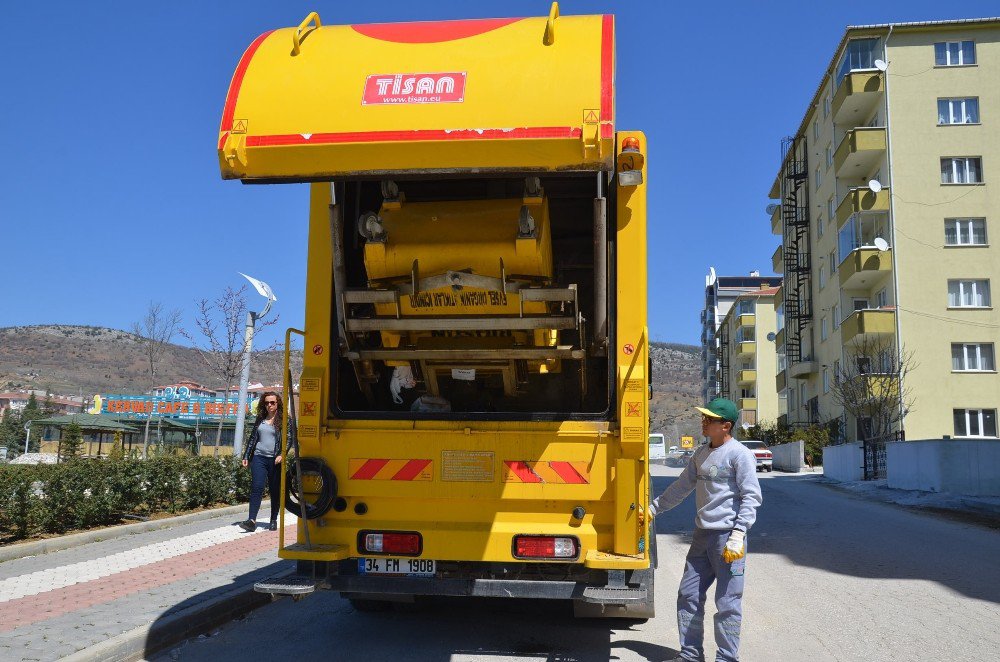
(703, 566)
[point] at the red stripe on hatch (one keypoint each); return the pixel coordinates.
(523, 471)
(369, 469)
(411, 469)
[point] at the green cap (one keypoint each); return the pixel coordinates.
(721, 408)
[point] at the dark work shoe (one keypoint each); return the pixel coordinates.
(274, 525)
(249, 526)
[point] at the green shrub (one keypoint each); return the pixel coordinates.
(85, 493)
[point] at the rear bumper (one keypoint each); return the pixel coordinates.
(610, 587)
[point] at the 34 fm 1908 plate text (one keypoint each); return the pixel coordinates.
(408, 567)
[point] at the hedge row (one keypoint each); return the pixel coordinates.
(81, 494)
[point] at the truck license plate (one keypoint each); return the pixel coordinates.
(407, 567)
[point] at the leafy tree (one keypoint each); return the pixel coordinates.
(11, 433)
(70, 442)
(32, 412)
(154, 333)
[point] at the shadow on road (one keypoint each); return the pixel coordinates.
(324, 626)
(838, 533)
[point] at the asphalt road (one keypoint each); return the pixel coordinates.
(830, 576)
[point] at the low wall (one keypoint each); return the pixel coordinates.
(844, 462)
(789, 457)
(960, 466)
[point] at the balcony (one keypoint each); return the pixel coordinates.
(780, 381)
(747, 403)
(779, 337)
(745, 319)
(856, 97)
(746, 376)
(864, 268)
(867, 324)
(802, 369)
(778, 260)
(861, 200)
(859, 152)
(779, 297)
(746, 348)
(776, 227)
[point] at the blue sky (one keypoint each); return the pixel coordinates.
(110, 195)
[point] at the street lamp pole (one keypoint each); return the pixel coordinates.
(27, 436)
(265, 291)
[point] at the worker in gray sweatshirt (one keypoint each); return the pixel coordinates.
(723, 475)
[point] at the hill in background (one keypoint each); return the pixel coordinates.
(75, 360)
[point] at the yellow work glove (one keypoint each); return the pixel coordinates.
(734, 546)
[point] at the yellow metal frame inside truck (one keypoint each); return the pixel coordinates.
(435, 123)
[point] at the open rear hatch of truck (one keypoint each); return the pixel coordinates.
(493, 95)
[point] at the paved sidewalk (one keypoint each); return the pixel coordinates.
(125, 597)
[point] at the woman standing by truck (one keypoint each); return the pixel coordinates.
(262, 455)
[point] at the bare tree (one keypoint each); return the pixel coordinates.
(871, 385)
(220, 326)
(153, 333)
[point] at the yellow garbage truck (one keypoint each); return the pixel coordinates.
(472, 414)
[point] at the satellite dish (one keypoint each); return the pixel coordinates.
(771, 208)
(874, 185)
(771, 336)
(881, 244)
(881, 65)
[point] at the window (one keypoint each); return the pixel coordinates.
(819, 227)
(954, 53)
(826, 381)
(836, 371)
(824, 331)
(874, 123)
(975, 422)
(835, 314)
(826, 106)
(958, 111)
(829, 156)
(816, 130)
(881, 299)
(833, 262)
(860, 304)
(859, 55)
(822, 278)
(779, 317)
(968, 293)
(745, 307)
(818, 178)
(965, 232)
(802, 394)
(792, 400)
(962, 170)
(864, 365)
(830, 207)
(972, 357)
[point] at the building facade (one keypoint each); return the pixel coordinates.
(748, 358)
(720, 293)
(885, 211)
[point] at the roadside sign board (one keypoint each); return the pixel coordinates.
(687, 441)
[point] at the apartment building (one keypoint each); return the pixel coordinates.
(720, 294)
(885, 201)
(748, 358)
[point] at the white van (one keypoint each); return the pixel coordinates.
(657, 448)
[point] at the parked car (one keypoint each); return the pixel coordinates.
(657, 448)
(679, 458)
(763, 454)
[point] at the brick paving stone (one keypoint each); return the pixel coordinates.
(93, 599)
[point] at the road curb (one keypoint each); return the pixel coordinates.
(147, 640)
(20, 550)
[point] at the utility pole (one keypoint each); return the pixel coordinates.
(265, 291)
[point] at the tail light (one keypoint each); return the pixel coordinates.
(546, 547)
(390, 542)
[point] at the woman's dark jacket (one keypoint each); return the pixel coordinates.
(255, 437)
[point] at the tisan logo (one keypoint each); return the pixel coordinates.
(414, 88)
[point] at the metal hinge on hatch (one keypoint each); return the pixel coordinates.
(591, 131)
(235, 149)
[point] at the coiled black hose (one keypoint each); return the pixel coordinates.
(316, 467)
